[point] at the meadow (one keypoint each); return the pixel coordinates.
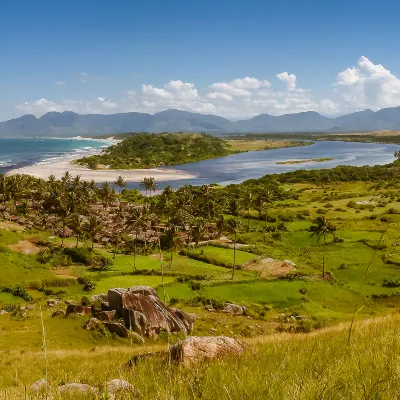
(366, 243)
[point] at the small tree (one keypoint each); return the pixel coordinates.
(234, 226)
(321, 228)
(120, 183)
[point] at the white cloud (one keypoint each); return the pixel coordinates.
(290, 80)
(368, 85)
(60, 83)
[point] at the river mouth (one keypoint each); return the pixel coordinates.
(237, 168)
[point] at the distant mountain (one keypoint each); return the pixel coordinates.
(69, 124)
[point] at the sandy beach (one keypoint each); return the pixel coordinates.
(130, 175)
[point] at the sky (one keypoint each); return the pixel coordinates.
(230, 58)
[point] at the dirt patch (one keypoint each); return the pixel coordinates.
(269, 268)
(11, 226)
(25, 247)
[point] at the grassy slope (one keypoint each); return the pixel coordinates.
(317, 365)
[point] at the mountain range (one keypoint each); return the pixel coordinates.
(70, 124)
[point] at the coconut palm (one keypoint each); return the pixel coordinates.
(134, 222)
(93, 227)
(234, 226)
(247, 203)
(174, 240)
(76, 226)
(120, 183)
(321, 228)
(107, 194)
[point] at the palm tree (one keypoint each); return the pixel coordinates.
(264, 199)
(107, 194)
(234, 226)
(120, 183)
(133, 222)
(152, 185)
(93, 227)
(247, 202)
(321, 228)
(174, 240)
(75, 224)
(145, 184)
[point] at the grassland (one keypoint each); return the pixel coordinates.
(242, 145)
(361, 211)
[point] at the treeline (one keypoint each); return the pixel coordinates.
(345, 173)
(146, 150)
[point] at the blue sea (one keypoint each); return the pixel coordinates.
(16, 153)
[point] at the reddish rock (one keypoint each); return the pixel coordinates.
(106, 315)
(58, 313)
(117, 328)
(77, 309)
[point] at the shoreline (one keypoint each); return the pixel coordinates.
(58, 168)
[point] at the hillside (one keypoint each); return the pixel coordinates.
(70, 124)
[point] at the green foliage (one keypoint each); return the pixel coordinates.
(148, 150)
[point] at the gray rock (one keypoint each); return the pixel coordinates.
(106, 315)
(92, 324)
(39, 386)
(77, 309)
(117, 328)
(52, 302)
(120, 387)
(145, 290)
(76, 389)
(235, 309)
(58, 313)
(199, 348)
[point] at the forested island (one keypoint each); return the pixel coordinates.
(146, 150)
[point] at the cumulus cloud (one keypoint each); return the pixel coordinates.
(289, 79)
(368, 85)
(365, 85)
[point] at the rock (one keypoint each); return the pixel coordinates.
(92, 324)
(99, 297)
(300, 318)
(291, 263)
(235, 309)
(213, 331)
(74, 389)
(77, 309)
(2, 312)
(58, 313)
(39, 386)
(52, 302)
(136, 338)
(198, 348)
(120, 387)
(67, 302)
(106, 316)
(147, 314)
(209, 307)
(145, 290)
(117, 328)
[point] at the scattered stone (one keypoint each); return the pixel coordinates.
(117, 328)
(291, 263)
(39, 386)
(198, 348)
(120, 387)
(293, 318)
(77, 309)
(58, 313)
(213, 331)
(3, 312)
(99, 297)
(209, 307)
(300, 318)
(75, 389)
(52, 302)
(67, 302)
(92, 324)
(235, 309)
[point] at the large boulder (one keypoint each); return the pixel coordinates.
(107, 316)
(92, 324)
(145, 290)
(152, 315)
(199, 348)
(39, 386)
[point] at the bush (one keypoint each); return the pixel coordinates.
(17, 291)
(89, 286)
(391, 283)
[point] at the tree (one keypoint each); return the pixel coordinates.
(234, 226)
(107, 194)
(93, 227)
(120, 183)
(174, 240)
(134, 222)
(75, 224)
(247, 202)
(264, 199)
(321, 228)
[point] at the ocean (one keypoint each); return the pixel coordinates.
(16, 153)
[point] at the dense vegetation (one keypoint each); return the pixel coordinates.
(309, 244)
(148, 150)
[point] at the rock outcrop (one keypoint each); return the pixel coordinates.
(76, 389)
(199, 348)
(235, 309)
(120, 387)
(140, 310)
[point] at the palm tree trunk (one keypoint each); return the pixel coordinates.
(248, 218)
(234, 257)
(77, 240)
(323, 259)
(134, 250)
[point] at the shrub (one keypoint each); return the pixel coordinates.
(391, 283)
(89, 286)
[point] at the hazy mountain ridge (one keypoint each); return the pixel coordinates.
(69, 124)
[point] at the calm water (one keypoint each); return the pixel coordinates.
(15, 153)
(236, 168)
(240, 167)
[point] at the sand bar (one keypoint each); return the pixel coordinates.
(58, 168)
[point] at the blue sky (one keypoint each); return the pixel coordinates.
(220, 57)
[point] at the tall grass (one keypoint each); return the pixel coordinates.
(319, 365)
